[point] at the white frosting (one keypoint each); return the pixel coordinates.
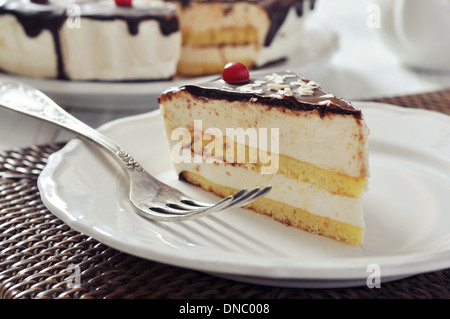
(286, 190)
(22, 55)
(105, 50)
(92, 49)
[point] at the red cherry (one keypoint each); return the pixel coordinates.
(235, 72)
(124, 3)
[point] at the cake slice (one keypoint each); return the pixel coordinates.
(274, 129)
(254, 32)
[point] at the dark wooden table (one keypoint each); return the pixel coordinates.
(37, 250)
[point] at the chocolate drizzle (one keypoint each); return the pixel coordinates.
(165, 15)
(318, 101)
(167, 26)
(34, 18)
(277, 12)
(41, 17)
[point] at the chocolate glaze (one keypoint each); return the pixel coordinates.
(277, 11)
(165, 15)
(219, 89)
(36, 17)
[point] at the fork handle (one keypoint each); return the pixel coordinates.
(21, 98)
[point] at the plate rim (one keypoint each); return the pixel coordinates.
(393, 266)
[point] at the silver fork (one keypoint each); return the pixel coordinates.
(151, 198)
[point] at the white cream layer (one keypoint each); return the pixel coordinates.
(285, 190)
(105, 50)
(22, 55)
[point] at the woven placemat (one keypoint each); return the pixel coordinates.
(41, 257)
(436, 101)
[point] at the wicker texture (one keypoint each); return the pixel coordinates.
(38, 251)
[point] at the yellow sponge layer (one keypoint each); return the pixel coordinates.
(291, 216)
(333, 182)
(230, 36)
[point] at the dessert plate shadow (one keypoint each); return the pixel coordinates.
(406, 209)
(319, 43)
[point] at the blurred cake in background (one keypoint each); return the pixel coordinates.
(89, 40)
(253, 32)
(145, 40)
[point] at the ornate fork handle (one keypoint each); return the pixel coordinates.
(23, 99)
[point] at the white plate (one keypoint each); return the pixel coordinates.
(318, 44)
(407, 209)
